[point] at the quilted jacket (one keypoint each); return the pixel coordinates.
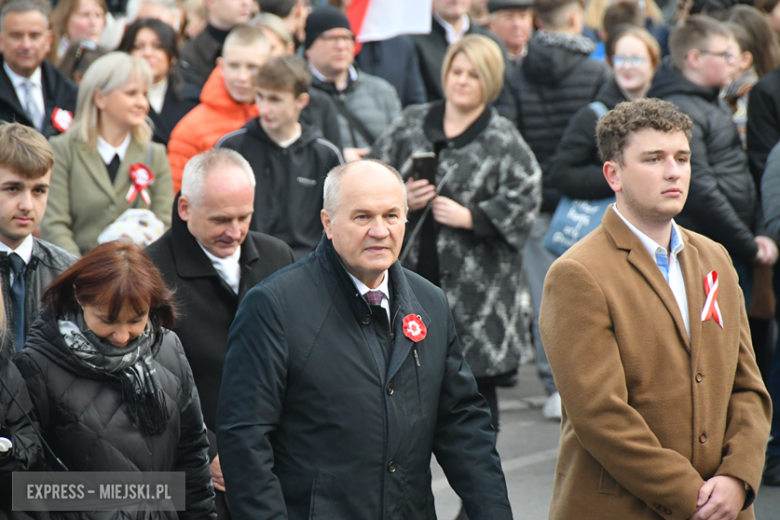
(88, 426)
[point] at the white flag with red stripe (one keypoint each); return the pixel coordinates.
(376, 20)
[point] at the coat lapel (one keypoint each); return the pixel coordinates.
(406, 304)
(640, 258)
(136, 153)
(694, 291)
(8, 94)
(94, 165)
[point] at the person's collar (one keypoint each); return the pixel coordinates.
(675, 244)
(24, 250)
(217, 34)
(384, 287)
(433, 126)
(289, 142)
(351, 77)
(107, 151)
(232, 259)
(17, 80)
(452, 35)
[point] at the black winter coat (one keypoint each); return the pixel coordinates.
(87, 424)
(47, 263)
(207, 304)
(26, 454)
(287, 178)
(58, 92)
(395, 60)
(763, 124)
(322, 113)
(198, 57)
(722, 201)
(314, 422)
(576, 170)
(555, 80)
(175, 106)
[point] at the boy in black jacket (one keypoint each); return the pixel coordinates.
(722, 203)
(290, 159)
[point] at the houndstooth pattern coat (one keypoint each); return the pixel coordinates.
(497, 177)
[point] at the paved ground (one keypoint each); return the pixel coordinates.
(528, 447)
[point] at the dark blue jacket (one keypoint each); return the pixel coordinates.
(395, 60)
(314, 423)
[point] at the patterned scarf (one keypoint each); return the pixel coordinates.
(132, 365)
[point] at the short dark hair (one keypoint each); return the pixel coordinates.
(24, 151)
(287, 73)
(169, 43)
(615, 128)
(692, 33)
(622, 13)
(113, 274)
(281, 8)
(548, 11)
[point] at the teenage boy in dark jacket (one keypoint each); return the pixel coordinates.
(290, 159)
(722, 203)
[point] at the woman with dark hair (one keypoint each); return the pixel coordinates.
(111, 385)
(169, 97)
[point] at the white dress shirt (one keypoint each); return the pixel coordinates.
(37, 92)
(454, 36)
(107, 152)
(227, 268)
(384, 288)
(24, 251)
(156, 95)
(673, 274)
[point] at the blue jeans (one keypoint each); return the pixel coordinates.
(536, 262)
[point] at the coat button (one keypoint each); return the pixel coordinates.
(703, 438)
(365, 320)
(699, 377)
(392, 467)
(390, 389)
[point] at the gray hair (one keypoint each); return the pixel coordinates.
(201, 165)
(22, 6)
(333, 184)
(134, 7)
(106, 74)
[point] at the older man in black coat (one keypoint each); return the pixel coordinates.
(211, 259)
(344, 374)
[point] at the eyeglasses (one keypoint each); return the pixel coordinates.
(634, 61)
(335, 38)
(727, 56)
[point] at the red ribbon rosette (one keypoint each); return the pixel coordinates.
(142, 177)
(414, 328)
(61, 119)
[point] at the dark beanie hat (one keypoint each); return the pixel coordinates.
(324, 19)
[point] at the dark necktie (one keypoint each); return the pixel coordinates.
(374, 297)
(17, 298)
(113, 167)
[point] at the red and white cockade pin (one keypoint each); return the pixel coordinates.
(414, 328)
(61, 119)
(711, 309)
(142, 177)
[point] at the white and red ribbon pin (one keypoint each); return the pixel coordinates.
(61, 119)
(711, 309)
(142, 177)
(414, 328)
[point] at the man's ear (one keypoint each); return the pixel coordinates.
(327, 223)
(184, 208)
(612, 174)
(693, 59)
(303, 101)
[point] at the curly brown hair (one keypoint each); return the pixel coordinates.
(617, 125)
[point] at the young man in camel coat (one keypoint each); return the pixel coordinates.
(665, 414)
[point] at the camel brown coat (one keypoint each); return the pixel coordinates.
(649, 415)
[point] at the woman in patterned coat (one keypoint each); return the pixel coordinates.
(483, 203)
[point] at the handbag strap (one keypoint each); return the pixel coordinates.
(355, 123)
(599, 108)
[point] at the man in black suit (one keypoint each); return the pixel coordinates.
(211, 259)
(32, 91)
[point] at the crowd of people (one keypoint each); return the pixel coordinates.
(159, 159)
